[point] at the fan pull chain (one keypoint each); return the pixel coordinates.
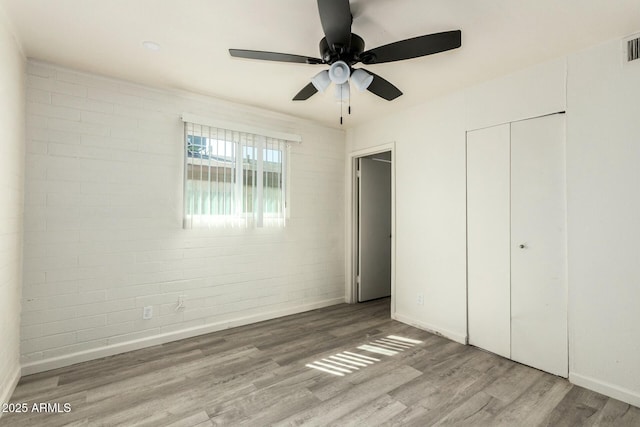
(341, 103)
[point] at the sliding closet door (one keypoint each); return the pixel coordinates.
(538, 244)
(488, 237)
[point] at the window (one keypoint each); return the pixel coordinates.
(233, 178)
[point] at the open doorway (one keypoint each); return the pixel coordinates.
(373, 267)
(372, 239)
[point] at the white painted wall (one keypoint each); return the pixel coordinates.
(603, 165)
(103, 216)
(11, 205)
(603, 155)
(430, 214)
(431, 186)
(531, 92)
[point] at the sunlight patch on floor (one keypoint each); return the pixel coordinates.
(347, 362)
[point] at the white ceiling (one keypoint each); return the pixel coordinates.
(498, 36)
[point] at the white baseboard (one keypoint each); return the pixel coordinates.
(611, 390)
(454, 336)
(5, 395)
(110, 350)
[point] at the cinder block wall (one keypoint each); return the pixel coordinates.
(103, 223)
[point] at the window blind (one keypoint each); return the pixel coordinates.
(233, 178)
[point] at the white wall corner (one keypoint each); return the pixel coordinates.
(11, 29)
(7, 391)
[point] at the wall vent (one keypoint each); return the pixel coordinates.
(633, 49)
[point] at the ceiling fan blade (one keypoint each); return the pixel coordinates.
(273, 56)
(335, 16)
(383, 88)
(305, 93)
(413, 48)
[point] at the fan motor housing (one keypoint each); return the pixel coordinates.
(350, 55)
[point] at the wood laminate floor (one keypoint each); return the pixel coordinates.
(256, 375)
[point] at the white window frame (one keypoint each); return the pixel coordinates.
(239, 218)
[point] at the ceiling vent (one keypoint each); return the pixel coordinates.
(632, 48)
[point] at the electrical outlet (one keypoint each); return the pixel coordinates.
(420, 299)
(147, 312)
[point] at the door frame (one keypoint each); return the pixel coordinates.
(351, 289)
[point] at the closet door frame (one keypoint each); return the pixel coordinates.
(479, 330)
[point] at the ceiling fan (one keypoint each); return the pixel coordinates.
(341, 50)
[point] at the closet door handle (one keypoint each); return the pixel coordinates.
(522, 246)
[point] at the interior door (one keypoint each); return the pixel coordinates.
(374, 229)
(488, 239)
(538, 244)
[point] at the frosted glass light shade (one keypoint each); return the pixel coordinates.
(321, 81)
(361, 79)
(339, 72)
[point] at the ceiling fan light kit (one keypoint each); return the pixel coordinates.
(339, 72)
(361, 79)
(321, 81)
(341, 50)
